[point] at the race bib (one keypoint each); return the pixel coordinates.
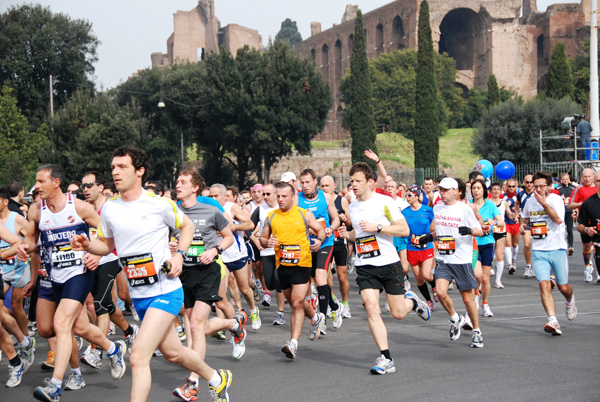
(93, 233)
(498, 229)
(322, 222)
(9, 261)
(446, 245)
(65, 257)
(367, 247)
(539, 230)
(193, 254)
(414, 241)
(140, 270)
(289, 254)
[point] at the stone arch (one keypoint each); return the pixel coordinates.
(339, 62)
(398, 36)
(464, 90)
(325, 61)
(378, 39)
(462, 37)
(313, 54)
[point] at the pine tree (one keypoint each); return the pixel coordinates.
(289, 33)
(427, 115)
(560, 80)
(493, 95)
(358, 115)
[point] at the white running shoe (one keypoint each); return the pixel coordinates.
(477, 301)
(468, 324)
(571, 310)
(499, 285)
(588, 273)
(487, 312)
(383, 366)
(346, 312)
(337, 316)
(117, 361)
(492, 272)
(528, 272)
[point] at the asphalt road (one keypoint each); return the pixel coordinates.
(520, 362)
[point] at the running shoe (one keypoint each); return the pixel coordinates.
(187, 392)
(477, 301)
(431, 305)
(219, 336)
(553, 327)
(92, 357)
(111, 330)
(552, 283)
(255, 318)
(588, 272)
(468, 324)
(79, 342)
(499, 285)
(312, 301)
(219, 393)
(337, 316)
(387, 306)
(492, 272)
(15, 375)
(31, 328)
(487, 312)
(280, 319)
(571, 310)
(74, 382)
(528, 272)
(258, 291)
(511, 269)
(50, 392)
(477, 341)
(289, 350)
(451, 285)
(435, 296)
(351, 265)
(421, 308)
(597, 278)
(406, 283)
(27, 354)
(131, 338)
(266, 301)
(134, 314)
(383, 365)
(239, 335)
(571, 251)
(157, 353)
(48, 365)
(346, 311)
(455, 327)
(323, 326)
(315, 327)
(181, 334)
(117, 361)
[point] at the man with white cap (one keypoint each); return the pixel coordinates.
(453, 226)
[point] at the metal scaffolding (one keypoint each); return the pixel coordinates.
(573, 166)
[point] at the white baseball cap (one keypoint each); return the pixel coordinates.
(448, 183)
(288, 176)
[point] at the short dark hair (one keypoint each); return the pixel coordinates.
(428, 178)
(234, 190)
(196, 178)
(543, 175)
(56, 172)
(15, 188)
(283, 184)
(310, 172)
(98, 177)
(4, 193)
(485, 190)
(496, 184)
(473, 175)
(111, 186)
(77, 183)
(462, 188)
(139, 157)
(364, 168)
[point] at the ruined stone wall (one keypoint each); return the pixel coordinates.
(234, 37)
(484, 37)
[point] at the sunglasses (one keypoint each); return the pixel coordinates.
(88, 185)
(511, 186)
(528, 182)
(267, 193)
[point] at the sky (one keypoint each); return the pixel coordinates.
(130, 30)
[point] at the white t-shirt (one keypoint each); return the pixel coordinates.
(375, 249)
(238, 249)
(545, 233)
(263, 213)
(452, 247)
(401, 203)
(140, 230)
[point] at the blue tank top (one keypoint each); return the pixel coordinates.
(511, 203)
(318, 207)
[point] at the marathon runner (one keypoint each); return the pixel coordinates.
(522, 199)
(588, 221)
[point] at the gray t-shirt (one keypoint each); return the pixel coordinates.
(208, 221)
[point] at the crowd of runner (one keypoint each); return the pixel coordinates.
(201, 260)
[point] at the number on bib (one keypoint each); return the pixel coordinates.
(367, 247)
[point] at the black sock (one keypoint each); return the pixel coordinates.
(128, 331)
(323, 298)
(386, 354)
(432, 284)
(334, 306)
(425, 291)
(15, 361)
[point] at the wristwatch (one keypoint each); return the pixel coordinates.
(219, 249)
(183, 253)
(379, 228)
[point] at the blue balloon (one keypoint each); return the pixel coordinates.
(485, 167)
(505, 170)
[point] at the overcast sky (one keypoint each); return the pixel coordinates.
(130, 30)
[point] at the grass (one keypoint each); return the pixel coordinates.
(456, 151)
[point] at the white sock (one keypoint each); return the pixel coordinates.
(56, 382)
(215, 380)
(236, 326)
(25, 343)
(515, 252)
(499, 269)
(112, 350)
(294, 342)
(507, 255)
(454, 317)
(76, 371)
(253, 310)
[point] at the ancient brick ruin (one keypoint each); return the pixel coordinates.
(508, 38)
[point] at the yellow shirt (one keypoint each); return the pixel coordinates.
(291, 229)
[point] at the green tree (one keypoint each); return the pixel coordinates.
(94, 127)
(560, 81)
(20, 149)
(493, 95)
(511, 131)
(580, 69)
(36, 43)
(288, 33)
(427, 115)
(358, 115)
